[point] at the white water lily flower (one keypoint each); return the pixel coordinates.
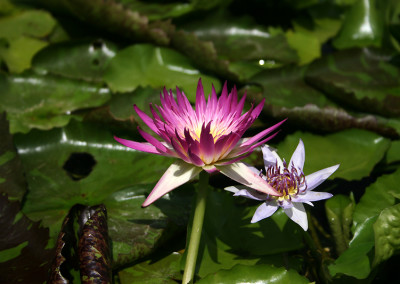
(290, 181)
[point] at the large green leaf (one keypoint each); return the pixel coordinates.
(81, 60)
(362, 78)
(339, 211)
(44, 102)
(363, 25)
(355, 261)
(147, 65)
(387, 233)
(24, 253)
(357, 151)
(22, 36)
(378, 196)
(255, 274)
(288, 95)
(12, 180)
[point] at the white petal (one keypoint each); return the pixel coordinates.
(251, 193)
(312, 196)
(298, 157)
(298, 214)
(264, 211)
(315, 179)
(240, 173)
(177, 174)
(270, 157)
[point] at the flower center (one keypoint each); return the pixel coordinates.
(285, 181)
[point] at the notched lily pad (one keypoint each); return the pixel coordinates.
(362, 79)
(44, 102)
(81, 60)
(24, 253)
(12, 180)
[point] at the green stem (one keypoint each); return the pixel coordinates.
(197, 226)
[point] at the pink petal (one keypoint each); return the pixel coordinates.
(140, 146)
(241, 173)
(177, 174)
(207, 146)
(146, 119)
(262, 134)
(160, 147)
(200, 100)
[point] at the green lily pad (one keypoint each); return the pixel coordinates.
(363, 79)
(44, 102)
(393, 154)
(378, 196)
(24, 253)
(387, 233)
(238, 39)
(357, 151)
(355, 261)
(81, 60)
(147, 65)
(23, 35)
(339, 211)
(288, 95)
(165, 270)
(255, 274)
(12, 180)
(363, 25)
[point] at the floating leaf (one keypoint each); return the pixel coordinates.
(81, 60)
(24, 255)
(12, 180)
(339, 211)
(23, 35)
(147, 65)
(355, 261)
(393, 154)
(362, 26)
(387, 233)
(357, 151)
(165, 270)
(378, 196)
(44, 102)
(255, 274)
(363, 79)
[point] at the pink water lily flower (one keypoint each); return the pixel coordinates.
(208, 138)
(290, 181)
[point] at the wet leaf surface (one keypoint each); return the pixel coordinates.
(23, 246)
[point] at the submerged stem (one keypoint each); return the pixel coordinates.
(197, 226)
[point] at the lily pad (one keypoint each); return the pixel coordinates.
(44, 102)
(363, 79)
(357, 151)
(255, 274)
(378, 196)
(387, 234)
(23, 35)
(12, 180)
(81, 60)
(147, 65)
(24, 253)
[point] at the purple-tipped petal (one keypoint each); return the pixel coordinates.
(315, 179)
(270, 157)
(240, 173)
(195, 159)
(200, 100)
(311, 196)
(177, 174)
(264, 211)
(250, 193)
(298, 157)
(298, 214)
(146, 119)
(139, 146)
